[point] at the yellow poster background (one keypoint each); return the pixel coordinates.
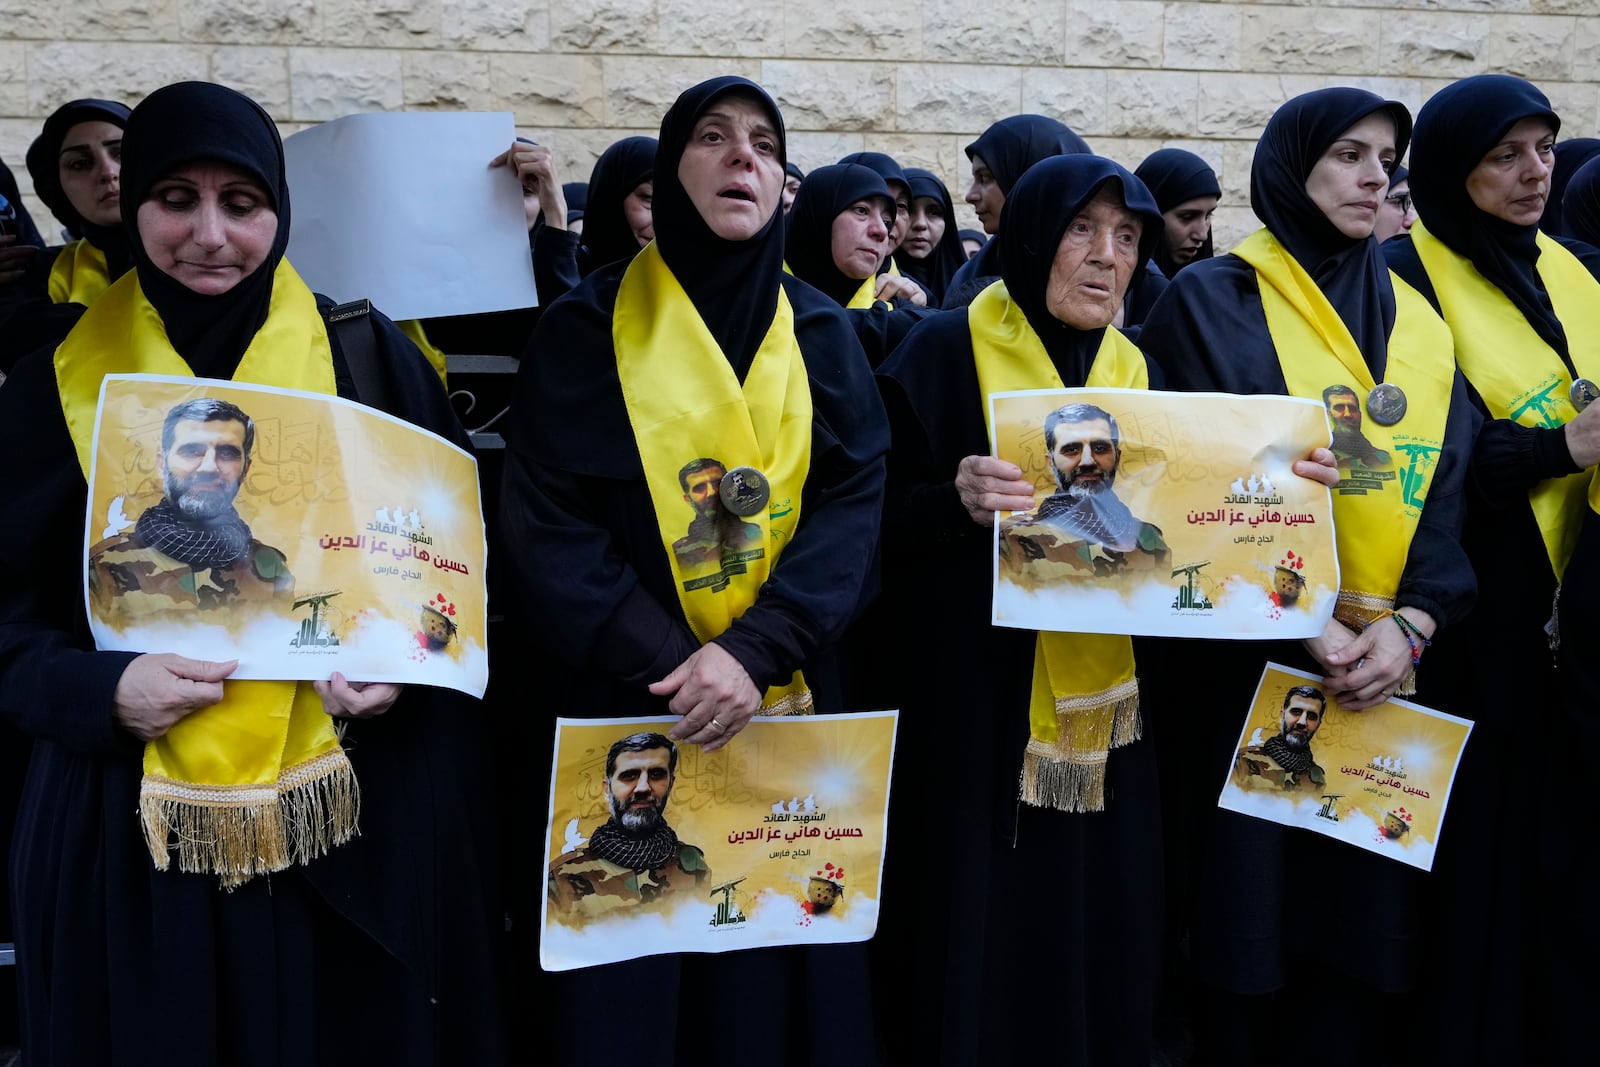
(326, 481)
(1388, 770)
(1212, 473)
(783, 799)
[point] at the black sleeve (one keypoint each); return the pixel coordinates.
(53, 684)
(29, 319)
(555, 263)
(1438, 577)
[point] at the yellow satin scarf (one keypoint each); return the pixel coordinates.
(1518, 376)
(1085, 697)
(688, 409)
(412, 328)
(79, 275)
(864, 297)
(257, 782)
(1375, 507)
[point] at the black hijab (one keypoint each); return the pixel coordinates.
(1038, 209)
(808, 247)
(1014, 144)
(935, 271)
(1571, 155)
(1350, 272)
(576, 194)
(620, 170)
(1581, 205)
(44, 167)
(186, 123)
(732, 284)
(1173, 177)
(1009, 148)
(1455, 128)
(790, 170)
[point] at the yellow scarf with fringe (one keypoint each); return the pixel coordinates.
(79, 275)
(1375, 508)
(689, 415)
(1518, 376)
(259, 781)
(1085, 697)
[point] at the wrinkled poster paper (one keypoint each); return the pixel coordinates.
(350, 541)
(779, 838)
(1164, 514)
(1378, 779)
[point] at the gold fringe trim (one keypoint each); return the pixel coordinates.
(1408, 688)
(793, 704)
(238, 832)
(1072, 777)
(1359, 610)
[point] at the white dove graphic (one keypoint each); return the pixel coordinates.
(116, 521)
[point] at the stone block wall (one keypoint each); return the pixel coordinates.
(916, 78)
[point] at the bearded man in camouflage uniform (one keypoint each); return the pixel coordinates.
(635, 857)
(192, 550)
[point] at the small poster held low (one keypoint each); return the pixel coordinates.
(775, 839)
(1378, 779)
(1164, 514)
(297, 533)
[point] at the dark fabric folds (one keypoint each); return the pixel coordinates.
(621, 169)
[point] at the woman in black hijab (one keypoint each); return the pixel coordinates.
(1570, 156)
(899, 191)
(597, 562)
(1305, 307)
(1097, 923)
(616, 220)
(1581, 205)
(75, 165)
(379, 949)
(1525, 311)
(931, 253)
(999, 157)
(1186, 188)
(838, 235)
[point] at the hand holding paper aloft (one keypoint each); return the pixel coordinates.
(713, 694)
(158, 689)
(987, 485)
(534, 166)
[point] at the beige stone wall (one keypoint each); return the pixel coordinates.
(916, 78)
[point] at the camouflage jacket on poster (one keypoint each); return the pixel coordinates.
(1254, 769)
(581, 883)
(128, 578)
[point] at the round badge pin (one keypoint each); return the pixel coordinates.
(745, 491)
(1583, 393)
(1386, 404)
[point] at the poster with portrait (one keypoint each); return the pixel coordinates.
(1164, 514)
(777, 838)
(1378, 779)
(297, 533)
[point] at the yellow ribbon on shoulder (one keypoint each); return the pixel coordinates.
(79, 275)
(412, 328)
(1375, 510)
(866, 296)
(1517, 374)
(686, 406)
(259, 781)
(1085, 696)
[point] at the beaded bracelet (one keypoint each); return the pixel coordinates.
(1405, 631)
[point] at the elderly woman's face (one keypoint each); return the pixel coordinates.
(731, 168)
(1350, 180)
(208, 225)
(1094, 263)
(1512, 181)
(89, 168)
